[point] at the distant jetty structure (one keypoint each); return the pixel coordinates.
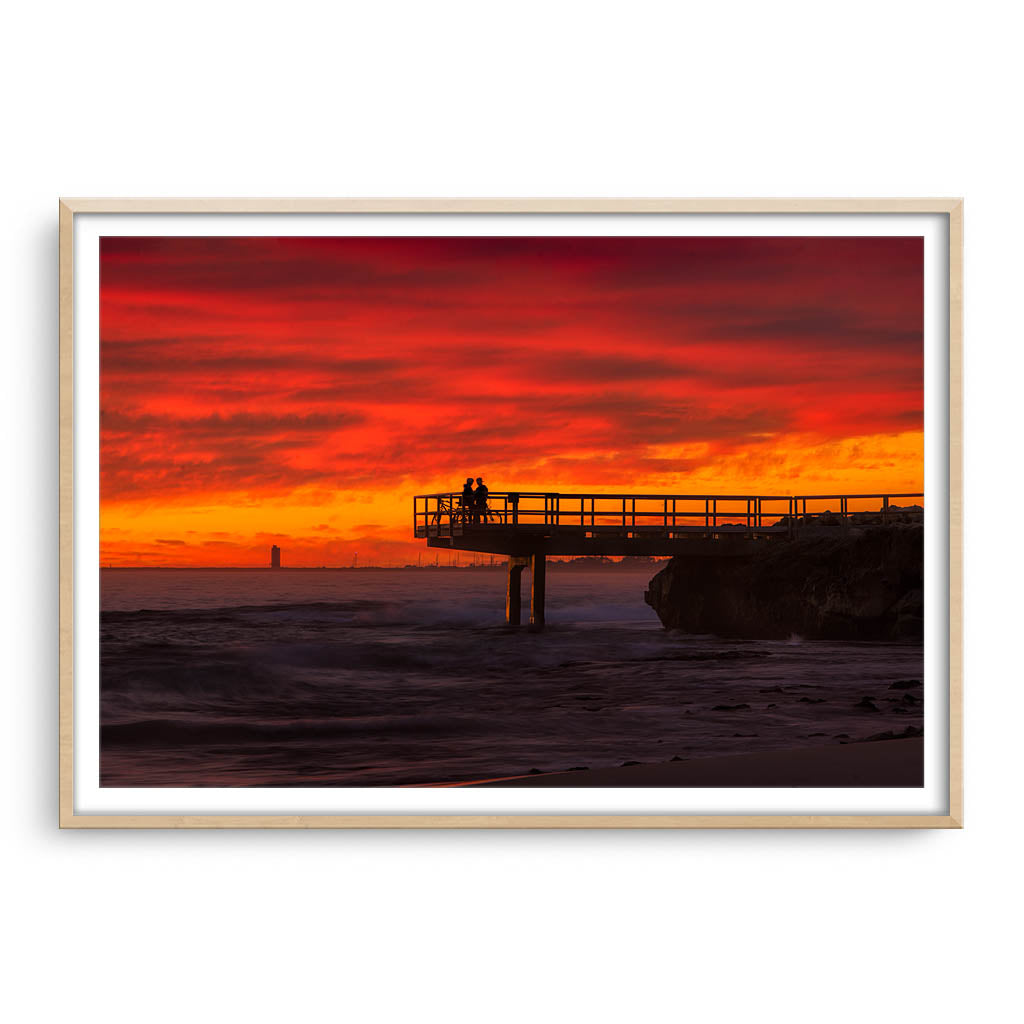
(528, 527)
(275, 557)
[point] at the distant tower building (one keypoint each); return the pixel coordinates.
(275, 557)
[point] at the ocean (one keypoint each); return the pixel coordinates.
(403, 677)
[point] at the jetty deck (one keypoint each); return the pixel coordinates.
(528, 527)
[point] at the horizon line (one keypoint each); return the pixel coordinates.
(558, 559)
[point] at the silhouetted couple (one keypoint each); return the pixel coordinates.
(474, 502)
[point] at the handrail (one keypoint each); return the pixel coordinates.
(444, 514)
(688, 497)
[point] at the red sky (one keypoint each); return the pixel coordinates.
(299, 391)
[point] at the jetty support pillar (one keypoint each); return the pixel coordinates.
(513, 597)
(538, 572)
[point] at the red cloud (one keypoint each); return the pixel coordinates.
(263, 365)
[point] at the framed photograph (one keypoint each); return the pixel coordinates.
(510, 513)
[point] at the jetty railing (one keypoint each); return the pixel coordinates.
(440, 515)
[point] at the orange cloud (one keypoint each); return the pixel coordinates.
(298, 391)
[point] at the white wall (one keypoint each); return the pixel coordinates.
(511, 99)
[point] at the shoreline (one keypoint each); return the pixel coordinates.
(895, 763)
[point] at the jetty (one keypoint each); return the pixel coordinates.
(529, 527)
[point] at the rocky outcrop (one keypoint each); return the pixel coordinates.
(856, 584)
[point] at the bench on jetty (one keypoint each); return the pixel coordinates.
(529, 526)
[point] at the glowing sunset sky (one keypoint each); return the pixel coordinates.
(299, 391)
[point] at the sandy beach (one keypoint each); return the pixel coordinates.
(888, 763)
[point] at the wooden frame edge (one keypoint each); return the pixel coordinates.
(956, 499)
(66, 515)
(507, 205)
(68, 207)
(512, 821)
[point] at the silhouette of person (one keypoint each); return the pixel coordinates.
(468, 499)
(480, 500)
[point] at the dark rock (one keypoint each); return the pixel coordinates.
(909, 698)
(904, 684)
(866, 704)
(811, 700)
(841, 584)
(731, 707)
(629, 764)
(904, 513)
(909, 612)
(907, 733)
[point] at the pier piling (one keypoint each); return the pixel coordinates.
(513, 597)
(538, 573)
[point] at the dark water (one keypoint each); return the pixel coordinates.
(341, 678)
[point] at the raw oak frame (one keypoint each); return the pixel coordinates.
(953, 208)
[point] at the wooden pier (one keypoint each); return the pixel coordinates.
(530, 526)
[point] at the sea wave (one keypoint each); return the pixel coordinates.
(406, 686)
